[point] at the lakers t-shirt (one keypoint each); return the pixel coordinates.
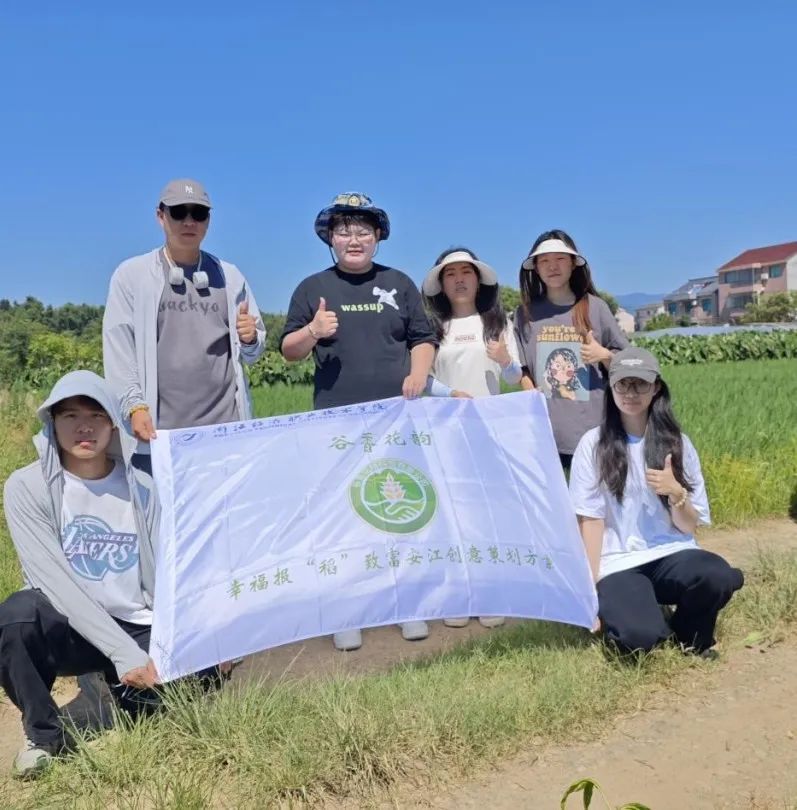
(100, 542)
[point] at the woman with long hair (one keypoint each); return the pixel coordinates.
(476, 348)
(637, 488)
(566, 337)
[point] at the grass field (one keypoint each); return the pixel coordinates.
(280, 743)
(17, 425)
(261, 744)
(741, 416)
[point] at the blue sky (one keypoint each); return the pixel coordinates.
(661, 136)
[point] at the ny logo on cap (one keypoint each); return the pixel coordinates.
(189, 189)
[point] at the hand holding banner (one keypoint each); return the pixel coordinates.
(276, 530)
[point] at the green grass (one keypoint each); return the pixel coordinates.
(17, 425)
(281, 398)
(742, 417)
(359, 738)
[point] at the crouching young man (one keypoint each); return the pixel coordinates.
(81, 519)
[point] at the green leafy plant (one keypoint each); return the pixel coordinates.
(746, 345)
(510, 298)
(660, 321)
(587, 789)
(271, 368)
(52, 355)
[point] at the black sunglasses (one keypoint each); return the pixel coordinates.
(199, 213)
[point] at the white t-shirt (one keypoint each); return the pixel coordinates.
(462, 362)
(640, 529)
(100, 541)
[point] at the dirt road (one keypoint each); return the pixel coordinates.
(705, 748)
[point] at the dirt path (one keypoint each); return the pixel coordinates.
(706, 749)
(733, 746)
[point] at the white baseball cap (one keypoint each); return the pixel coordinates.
(431, 284)
(552, 246)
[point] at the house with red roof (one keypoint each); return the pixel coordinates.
(753, 273)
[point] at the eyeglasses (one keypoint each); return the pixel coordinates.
(199, 213)
(347, 236)
(627, 386)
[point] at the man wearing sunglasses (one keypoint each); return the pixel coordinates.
(178, 325)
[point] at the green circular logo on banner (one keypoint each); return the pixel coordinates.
(393, 496)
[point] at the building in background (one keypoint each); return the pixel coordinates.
(625, 320)
(753, 273)
(694, 303)
(643, 314)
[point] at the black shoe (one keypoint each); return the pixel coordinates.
(135, 702)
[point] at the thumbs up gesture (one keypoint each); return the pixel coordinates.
(325, 322)
(663, 482)
(245, 324)
(498, 352)
(593, 352)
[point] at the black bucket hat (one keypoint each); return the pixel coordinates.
(351, 203)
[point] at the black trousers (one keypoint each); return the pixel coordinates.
(37, 645)
(699, 584)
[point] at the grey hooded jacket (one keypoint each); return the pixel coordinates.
(33, 500)
(130, 332)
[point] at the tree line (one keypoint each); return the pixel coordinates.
(40, 342)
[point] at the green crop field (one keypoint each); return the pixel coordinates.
(741, 416)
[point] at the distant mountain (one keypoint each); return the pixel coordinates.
(631, 301)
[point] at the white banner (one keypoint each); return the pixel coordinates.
(276, 530)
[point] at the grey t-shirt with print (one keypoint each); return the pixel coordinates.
(550, 347)
(196, 377)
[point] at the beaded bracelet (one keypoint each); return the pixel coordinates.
(681, 501)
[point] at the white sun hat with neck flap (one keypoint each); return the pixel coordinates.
(552, 246)
(431, 284)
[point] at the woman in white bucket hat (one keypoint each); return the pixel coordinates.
(477, 350)
(566, 337)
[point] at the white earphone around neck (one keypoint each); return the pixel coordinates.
(177, 274)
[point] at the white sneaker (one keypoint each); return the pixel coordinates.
(414, 631)
(457, 622)
(32, 760)
(491, 621)
(348, 640)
